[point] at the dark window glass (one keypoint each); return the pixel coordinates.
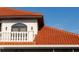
(19, 27)
(31, 28)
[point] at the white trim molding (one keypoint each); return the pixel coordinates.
(39, 46)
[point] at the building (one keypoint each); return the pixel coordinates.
(27, 29)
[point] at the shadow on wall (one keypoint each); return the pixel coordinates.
(40, 50)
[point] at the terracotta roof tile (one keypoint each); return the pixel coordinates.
(16, 43)
(49, 35)
(4, 11)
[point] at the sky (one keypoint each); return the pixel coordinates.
(64, 18)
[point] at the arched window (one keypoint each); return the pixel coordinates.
(19, 27)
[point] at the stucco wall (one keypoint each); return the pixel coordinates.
(30, 23)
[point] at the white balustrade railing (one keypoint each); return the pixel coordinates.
(16, 36)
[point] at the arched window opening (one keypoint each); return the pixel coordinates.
(19, 27)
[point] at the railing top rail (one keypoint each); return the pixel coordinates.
(18, 32)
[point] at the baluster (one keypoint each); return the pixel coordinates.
(2, 36)
(22, 37)
(26, 36)
(17, 36)
(5, 36)
(11, 35)
(14, 36)
(8, 36)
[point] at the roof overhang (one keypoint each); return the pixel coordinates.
(25, 17)
(20, 16)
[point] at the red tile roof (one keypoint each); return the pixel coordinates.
(50, 36)
(4, 11)
(53, 36)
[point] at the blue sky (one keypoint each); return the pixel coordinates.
(62, 18)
